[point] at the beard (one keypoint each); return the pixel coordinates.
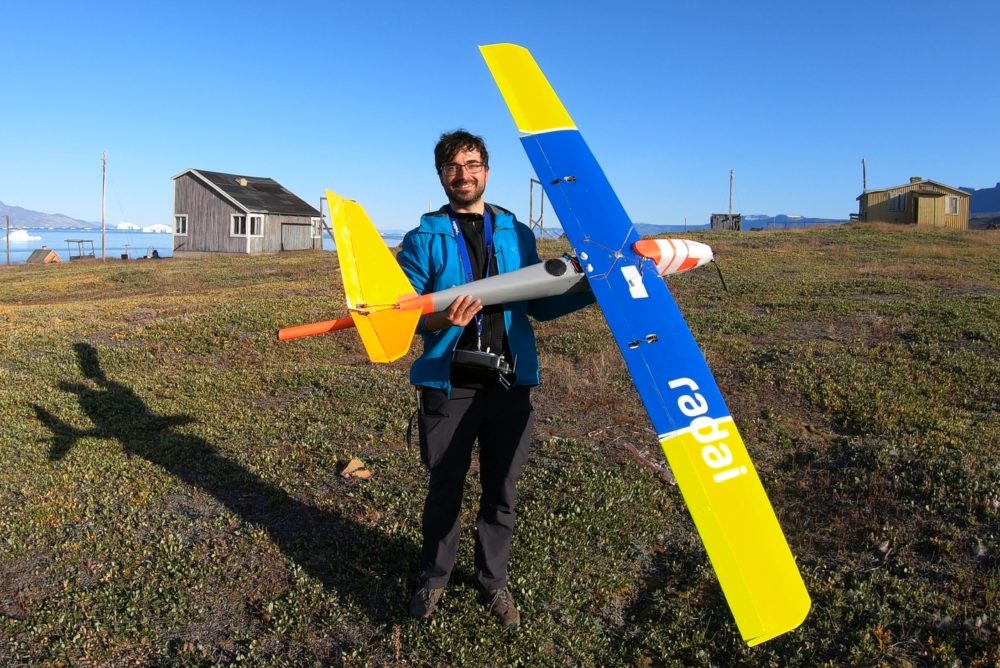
(467, 196)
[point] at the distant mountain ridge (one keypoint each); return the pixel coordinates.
(21, 217)
(644, 229)
(750, 222)
(984, 200)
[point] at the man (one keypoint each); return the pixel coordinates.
(482, 391)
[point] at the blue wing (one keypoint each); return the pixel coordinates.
(643, 316)
(720, 486)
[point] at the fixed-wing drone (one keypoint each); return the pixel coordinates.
(706, 453)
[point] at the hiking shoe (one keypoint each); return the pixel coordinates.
(501, 606)
(425, 602)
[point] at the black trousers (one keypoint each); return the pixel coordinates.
(501, 420)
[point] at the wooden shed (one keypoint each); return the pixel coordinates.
(43, 255)
(216, 212)
(726, 221)
(919, 202)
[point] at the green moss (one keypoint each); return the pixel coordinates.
(172, 496)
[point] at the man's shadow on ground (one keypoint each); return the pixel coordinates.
(330, 547)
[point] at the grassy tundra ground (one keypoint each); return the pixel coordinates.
(169, 472)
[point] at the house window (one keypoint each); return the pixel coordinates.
(953, 206)
(317, 228)
(256, 226)
(181, 224)
(239, 225)
(897, 203)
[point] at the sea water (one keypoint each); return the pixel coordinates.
(126, 244)
(118, 244)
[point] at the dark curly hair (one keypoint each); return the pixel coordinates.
(458, 140)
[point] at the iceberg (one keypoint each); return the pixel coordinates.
(22, 237)
(158, 229)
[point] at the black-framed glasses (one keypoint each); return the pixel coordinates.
(451, 168)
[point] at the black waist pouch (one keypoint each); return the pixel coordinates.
(475, 367)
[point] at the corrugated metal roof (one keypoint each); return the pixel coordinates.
(255, 193)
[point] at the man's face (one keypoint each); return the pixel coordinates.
(463, 188)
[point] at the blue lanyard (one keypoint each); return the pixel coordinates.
(466, 261)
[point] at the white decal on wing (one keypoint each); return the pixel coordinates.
(634, 279)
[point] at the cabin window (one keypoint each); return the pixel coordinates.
(317, 228)
(256, 226)
(897, 203)
(953, 206)
(181, 224)
(239, 225)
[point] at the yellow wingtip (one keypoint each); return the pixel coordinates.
(740, 531)
(795, 612)
(530, 98)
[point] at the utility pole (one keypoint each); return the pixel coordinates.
(104, 198)
(8, 238)
(730, 219)
(730, 194)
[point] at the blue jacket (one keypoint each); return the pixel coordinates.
(430, 259)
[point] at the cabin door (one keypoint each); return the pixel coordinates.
(924, 210)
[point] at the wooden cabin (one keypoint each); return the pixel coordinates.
(732, 222)
(43, 255)
(247, 215)
(919, 202)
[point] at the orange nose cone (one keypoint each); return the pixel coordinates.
(648, 248)
(672, 256)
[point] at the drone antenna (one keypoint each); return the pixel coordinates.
(715, 261)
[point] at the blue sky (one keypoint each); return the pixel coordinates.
(352, 96)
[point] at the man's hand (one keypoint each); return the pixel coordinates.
(458, 314)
